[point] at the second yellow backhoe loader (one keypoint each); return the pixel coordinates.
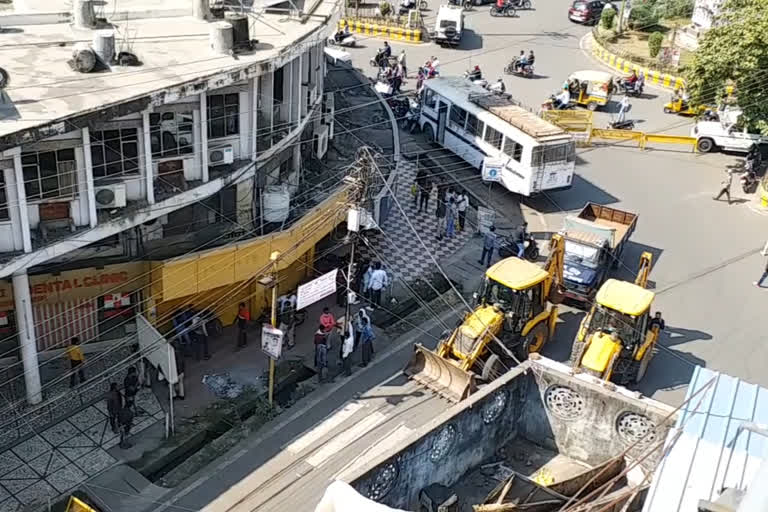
(617, 338)
(516, 313)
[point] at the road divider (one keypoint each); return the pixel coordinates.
(382, 29)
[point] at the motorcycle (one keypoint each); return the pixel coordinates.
(748, 182)
(482, 82)
(521, 4)
(411, 119)
(497, 87)
(380, 61)
(399, 106)
(347, 40)
(631, 89)
(550, 104)
(507, 10)
(508, 247)
(627, 124)
(464, 4)
(513, 69)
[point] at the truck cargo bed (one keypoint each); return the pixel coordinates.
(621, 222)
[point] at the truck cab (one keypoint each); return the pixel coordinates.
(449, 25)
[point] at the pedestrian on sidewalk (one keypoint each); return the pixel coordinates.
(347, 349)
(462, 203)
(125, 417)
(425, 189)
(287, 324)
(725, 187)
(114, 405)
(367, 343)
(490, 241)
(440, 212)
(379, 281)
(243, 317)
(451, 215)
(415, 193)
(131, 387)
(759, 282)
(321, 354)
(361, 320)
(327, 320)
(76, 360)
(199, 335)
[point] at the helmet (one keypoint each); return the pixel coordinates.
(477, 68)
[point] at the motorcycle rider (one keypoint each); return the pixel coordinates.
(475, 74)
(498, 87)
(343, 33)
(500, 4)
(519, 236)
(631, 79)
(520, 62)
(562, 100)
(382, 56)
(531, 58)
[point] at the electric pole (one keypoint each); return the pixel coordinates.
(273, 320)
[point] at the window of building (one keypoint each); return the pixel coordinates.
(3, 198)
(475, 127)
(170, 133)
(493, 137)
(115, 152)
(513, 149)
(49, 174)
(458, 117)
(223, 115)
(430, 98)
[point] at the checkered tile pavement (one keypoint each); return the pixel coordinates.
(399, 248)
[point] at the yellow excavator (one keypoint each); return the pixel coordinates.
(617, 338)
(515, 314)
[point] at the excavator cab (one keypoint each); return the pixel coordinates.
(617, 338)
(512, 318)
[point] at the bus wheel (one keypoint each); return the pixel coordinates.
(429, 133)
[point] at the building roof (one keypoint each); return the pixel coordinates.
(173, 49)
(624, 297)
(516, 273)
(708, 456)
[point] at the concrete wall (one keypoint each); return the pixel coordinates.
(584, 426)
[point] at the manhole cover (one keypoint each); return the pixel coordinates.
(564, 402)
(636, 428)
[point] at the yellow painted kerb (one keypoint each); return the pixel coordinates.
(652, 76)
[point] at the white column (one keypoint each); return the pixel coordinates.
(27, 341)
(244, 123)
(196, 138)
(22, 202)
(291, 91)
(91, 194)
(268, 100)
(204, 136)
(254, 117)
(302, 104)
(149, 172)
(13, 211)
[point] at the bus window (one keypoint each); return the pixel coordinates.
(475, 127)
(513, 149)
(430, 98)
(553, 154)
(458, 117)
(493, 137)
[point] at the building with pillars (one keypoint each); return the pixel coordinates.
(131, 126)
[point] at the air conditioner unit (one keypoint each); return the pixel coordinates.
(221, 155)
(320, 142)
(110, 196)
(328, 113)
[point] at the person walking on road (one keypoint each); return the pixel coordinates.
(361, 321)
(425, 187)
(461, 206)
(725, 187)
(490, 240)
(759, 282)
(114, 405)
(321, 354)
(76, 360)
(347, 349)
(367, 344)
(379, 281)
(243, 317)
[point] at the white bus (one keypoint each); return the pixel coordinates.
(506, 142)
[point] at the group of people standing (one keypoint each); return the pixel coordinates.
(357, 335)
(451, 208)
(121, 406)
(191, 332)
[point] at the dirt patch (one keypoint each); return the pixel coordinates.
(633, 46)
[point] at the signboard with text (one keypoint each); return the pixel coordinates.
(271, 341)
(492, 170)
(316, 289)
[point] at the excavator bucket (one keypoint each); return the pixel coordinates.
(439, 375)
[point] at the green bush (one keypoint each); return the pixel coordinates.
(385, 8)
(607, 18)
(643, 17)
(654, 43)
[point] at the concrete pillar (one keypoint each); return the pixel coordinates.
(302, 104)
(22, 202)
(254, 117)
(204, 136)
(268, 101)
(27, 340)
(89, 187)
(201, 9)
(149, 172)
(244, 203)
(244, 123)
(196, 138)
(14, 214)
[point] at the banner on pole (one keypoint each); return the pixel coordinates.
(271, 341)
(317, 289)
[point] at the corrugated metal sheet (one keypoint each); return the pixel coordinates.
(701, 463)
(56, 324)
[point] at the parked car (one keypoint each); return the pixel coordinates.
(586, 12)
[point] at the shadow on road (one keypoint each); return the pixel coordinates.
(470, 40)
(559, 348)
(630, 260)
(572, 199)
(669, 369)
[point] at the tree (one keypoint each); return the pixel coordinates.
(607, 18)
(654, 43)
(734, 52)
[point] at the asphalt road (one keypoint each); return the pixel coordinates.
(705, 252)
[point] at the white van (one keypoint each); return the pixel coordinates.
(449, 25)
(725, 134)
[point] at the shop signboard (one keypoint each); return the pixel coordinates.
(317, 289)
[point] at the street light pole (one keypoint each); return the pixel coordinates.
(274, 257)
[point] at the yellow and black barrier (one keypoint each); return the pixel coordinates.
(382, 30)
(642, 139)
(626, 66)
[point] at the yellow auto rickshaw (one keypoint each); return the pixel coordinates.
(680, 105)
(591, 89)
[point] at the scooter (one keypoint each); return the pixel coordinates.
(626, 124)
(348, 41)
(482, 82)
(379, 61)
(508, 247)
(507, 10)
(631, 89)
(513, 69)
(550, 104)
(748, 182)
(411, 120)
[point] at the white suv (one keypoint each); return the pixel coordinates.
(448, 25)
(711, 135)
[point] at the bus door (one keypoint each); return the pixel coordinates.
(442, 119)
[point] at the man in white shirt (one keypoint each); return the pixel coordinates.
(347, 347)
(563, 99)
(462, 205)
(379, 280)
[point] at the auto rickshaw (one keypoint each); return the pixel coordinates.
(679, 104)
(591, 89)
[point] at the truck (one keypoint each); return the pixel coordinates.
(594, 243)
(725, 134)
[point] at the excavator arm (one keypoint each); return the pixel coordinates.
(646, 259)
(554, 264)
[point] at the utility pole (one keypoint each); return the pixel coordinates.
(273, 320)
